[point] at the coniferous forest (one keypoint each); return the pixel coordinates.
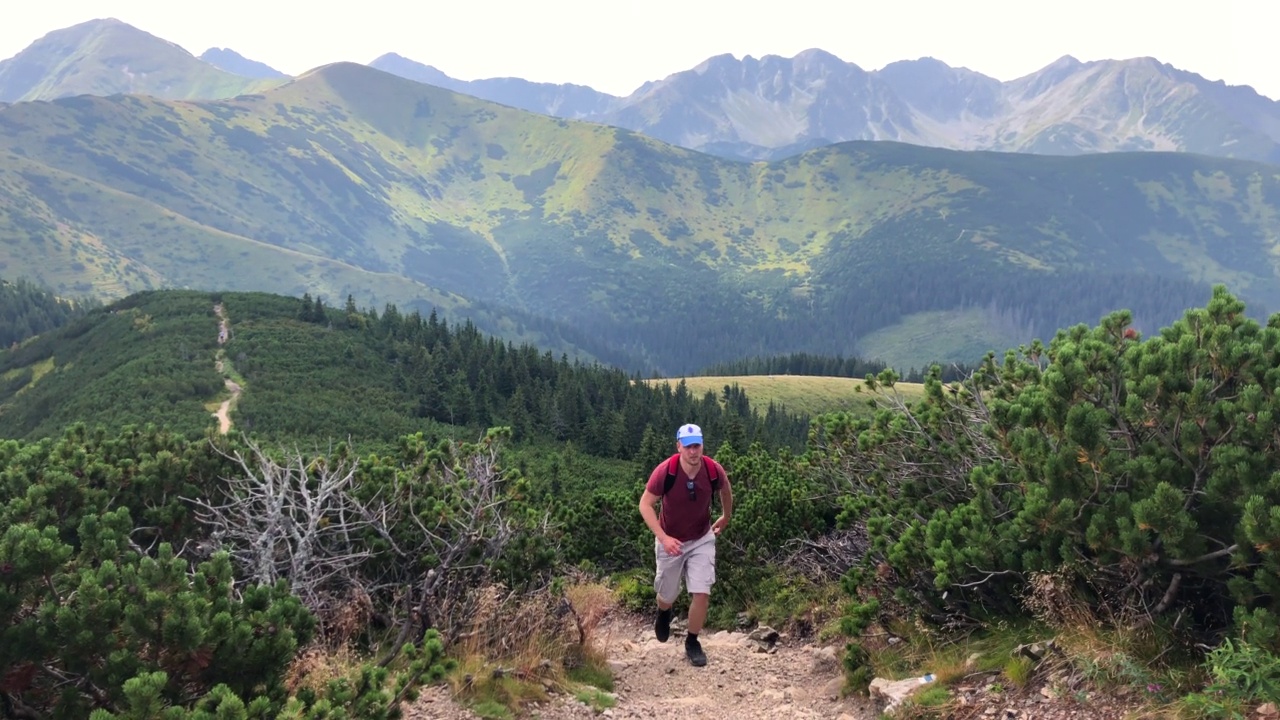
(29, 310)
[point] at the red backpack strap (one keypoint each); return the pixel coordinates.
(672, 465)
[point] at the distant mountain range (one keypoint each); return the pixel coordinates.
(352, 181)
(765, 108)
(145, 167)
(772, 107)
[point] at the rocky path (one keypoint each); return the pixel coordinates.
(224, 410)
(653, 681)
(795, 681)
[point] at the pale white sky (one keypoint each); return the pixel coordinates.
(615, 45)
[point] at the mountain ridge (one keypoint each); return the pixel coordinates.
(567, 100)
(771, 107)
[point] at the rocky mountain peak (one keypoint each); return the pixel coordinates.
(397, 64)
(233, 62)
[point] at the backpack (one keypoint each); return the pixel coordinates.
(673, 467)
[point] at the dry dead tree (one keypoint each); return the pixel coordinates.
(293, 520)
(303, 522)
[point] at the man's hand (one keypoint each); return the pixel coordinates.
(719, 525)
(671, 545)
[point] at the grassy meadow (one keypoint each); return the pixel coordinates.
(799, 393)
(943, 336)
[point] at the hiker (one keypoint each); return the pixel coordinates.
(685, 537)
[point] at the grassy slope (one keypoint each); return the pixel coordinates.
(798, 393)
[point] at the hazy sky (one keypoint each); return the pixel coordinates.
(615, 46)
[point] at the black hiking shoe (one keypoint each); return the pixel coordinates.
(662, 627)
(693, 651)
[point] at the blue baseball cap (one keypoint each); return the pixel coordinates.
(689, 435)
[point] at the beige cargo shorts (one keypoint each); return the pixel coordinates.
(696, 565)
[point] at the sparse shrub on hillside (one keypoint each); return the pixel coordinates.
(634, 591)
(775, 503)
(149, 359)
(312, 372)
(778, 509)
(593, 502)
(1140, 470)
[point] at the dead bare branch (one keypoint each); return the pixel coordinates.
(291, 520)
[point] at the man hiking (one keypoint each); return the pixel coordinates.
(685, 537)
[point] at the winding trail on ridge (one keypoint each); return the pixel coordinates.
(224, 410)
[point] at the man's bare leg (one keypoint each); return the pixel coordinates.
(697, 611)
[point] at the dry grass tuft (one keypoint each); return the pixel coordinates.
(591, 604)
(518, 630)
(1052, 599)
(344, 621)
(1104, 635)
(317, 664)
(516, 646)
(532, 633)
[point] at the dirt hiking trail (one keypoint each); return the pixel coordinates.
(795, 680)
(654, 681)
(224, 410)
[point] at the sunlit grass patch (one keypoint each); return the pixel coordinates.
(807, 394)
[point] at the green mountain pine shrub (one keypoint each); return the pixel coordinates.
(1142, 473)
(95, 593)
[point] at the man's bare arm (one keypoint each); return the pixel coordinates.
(649, 511)
(726, 506)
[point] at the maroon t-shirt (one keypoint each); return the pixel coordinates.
(680, 517)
